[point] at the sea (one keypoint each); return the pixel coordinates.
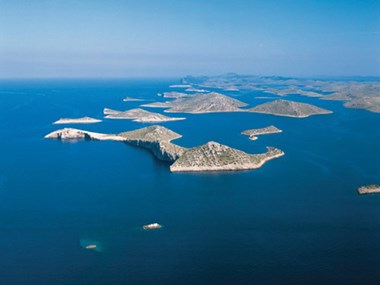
(296, 220)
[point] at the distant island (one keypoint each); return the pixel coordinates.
(83, 120)
(355, 94)
(211, 156)
(292, 90)
(369, 189)
(131, 99)
(174, 94)
(253, 133)
(289, 109)
(200, 103)
(139, 115)
(214, 102)
(180, 86)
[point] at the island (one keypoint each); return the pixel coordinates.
(369, 189)
(76, 134)
(180, 86)
(174, 94)
(153, 226)
(211, 156)
(253, 133)
(200, 103)
(139, 115)
(131, 99)
(289, 109)
(214, 156)
(192, 89)
(292, 90)
(358, 94)
(83, 120)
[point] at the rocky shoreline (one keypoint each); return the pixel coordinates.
(211, 156)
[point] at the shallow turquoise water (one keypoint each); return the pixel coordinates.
(297, 220)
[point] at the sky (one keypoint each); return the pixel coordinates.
(167, 38)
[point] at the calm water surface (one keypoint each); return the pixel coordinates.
(297, 220)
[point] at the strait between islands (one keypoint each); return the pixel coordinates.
(211, 156)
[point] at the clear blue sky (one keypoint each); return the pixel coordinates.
(163, 38)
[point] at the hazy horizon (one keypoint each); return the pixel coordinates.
(168, 39)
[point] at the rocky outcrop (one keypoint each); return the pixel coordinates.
(201, 103)
(158, 140)
(289, 109)
(253, 133)
(369, 189)
(154, 226)
(139, 115)
(213, 156)
(131, 99)
(75, 134)
(175, 95)
(84, 120)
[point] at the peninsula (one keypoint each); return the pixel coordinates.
(200, 103)
(83, 120)
(289, 109)
(369, 189)
(253, 133)
(157, 139)
(211, 156)
(139, 115)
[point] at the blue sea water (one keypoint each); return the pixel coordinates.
(297, 220)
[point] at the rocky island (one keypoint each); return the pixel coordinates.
(83, 120)
(154, 226)
(139, 115)
(211, 156)
(289, 109)
(253, 133)
(292, 90)
(131, 99)
(214, 156)
(369, 189)
(201, 103)
(174, 94)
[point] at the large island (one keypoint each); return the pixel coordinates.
(211, 156)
